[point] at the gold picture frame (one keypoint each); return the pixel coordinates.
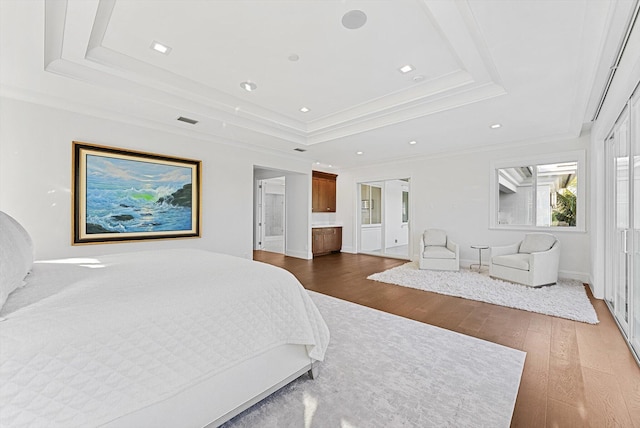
(123, 195)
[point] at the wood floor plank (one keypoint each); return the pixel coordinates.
(604, 400)
(592, 354)
(531, 404)
(566, 382)
(562, 415)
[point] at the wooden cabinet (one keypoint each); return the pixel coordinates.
(323, 192)
(326, 240)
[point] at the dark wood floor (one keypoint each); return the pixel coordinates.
(575, 374)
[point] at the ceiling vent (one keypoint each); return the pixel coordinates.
(187, 120)
(299, 150)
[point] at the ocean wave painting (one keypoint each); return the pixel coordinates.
(124, 195)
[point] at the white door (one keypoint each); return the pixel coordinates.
(634, 288)
(620, 239)
(273, 215)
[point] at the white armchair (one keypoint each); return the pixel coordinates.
(437, 252)
(533, 261)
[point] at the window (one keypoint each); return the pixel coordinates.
(405, 206)
(539, 193)
(371, 204)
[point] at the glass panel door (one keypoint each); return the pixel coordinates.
(634, 290)
(371, 218)
(620, 235)
(384, 218)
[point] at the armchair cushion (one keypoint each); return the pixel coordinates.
(434, 252)
(536, 242)
(435, 237)
(515, 261)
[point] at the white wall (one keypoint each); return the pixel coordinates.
(35, 180)
(452, 192)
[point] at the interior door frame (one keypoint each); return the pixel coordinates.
(383, 198)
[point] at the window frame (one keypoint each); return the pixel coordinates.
(578, 156)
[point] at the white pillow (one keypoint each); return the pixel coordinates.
(536, 242)
(435, 237)
(16, 255)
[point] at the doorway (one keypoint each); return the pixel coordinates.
(383, 218)
(271, 218)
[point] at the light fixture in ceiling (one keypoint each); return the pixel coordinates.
(359, 153)
(159, 47)
(294, 57)
(248, 86)
(413, 142)
(495, 126)
(354, 19)
(317, 162)
(305, 109)
(406, 68)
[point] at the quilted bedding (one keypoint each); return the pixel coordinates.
(138, 327)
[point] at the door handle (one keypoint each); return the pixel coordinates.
(625, 241)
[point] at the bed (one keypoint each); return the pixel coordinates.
(183, 338)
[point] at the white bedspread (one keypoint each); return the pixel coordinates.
(138, 327)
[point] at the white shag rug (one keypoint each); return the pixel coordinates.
(566, 299)
(382, 370)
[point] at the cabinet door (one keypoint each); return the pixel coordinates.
(317, 246)
(331, 196)
(327, 199)
(337, 239)
(334, 238)
(315, 195)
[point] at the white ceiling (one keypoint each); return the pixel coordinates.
(530, 65)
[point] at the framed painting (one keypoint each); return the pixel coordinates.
(123, 195)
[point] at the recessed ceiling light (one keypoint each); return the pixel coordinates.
(354, 19)
(495, 126)
(305, 109)
(359, 153)
(406, 68)
(413, 142)
(317, 162)
(159, 47)
(294, 57)
(248, 86)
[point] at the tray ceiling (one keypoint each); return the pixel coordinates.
(474, 63)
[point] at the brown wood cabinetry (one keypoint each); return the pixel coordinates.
(323, 192)
(326, 240)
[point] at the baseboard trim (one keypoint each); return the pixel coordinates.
(298, 254)
(580, 276)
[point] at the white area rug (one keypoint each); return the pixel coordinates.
(566, 299)
(382, 370)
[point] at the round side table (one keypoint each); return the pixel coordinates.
(479, 248)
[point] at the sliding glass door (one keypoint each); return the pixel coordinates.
(384, 218)
(619, 224)
(622, 291)
(634, 291)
